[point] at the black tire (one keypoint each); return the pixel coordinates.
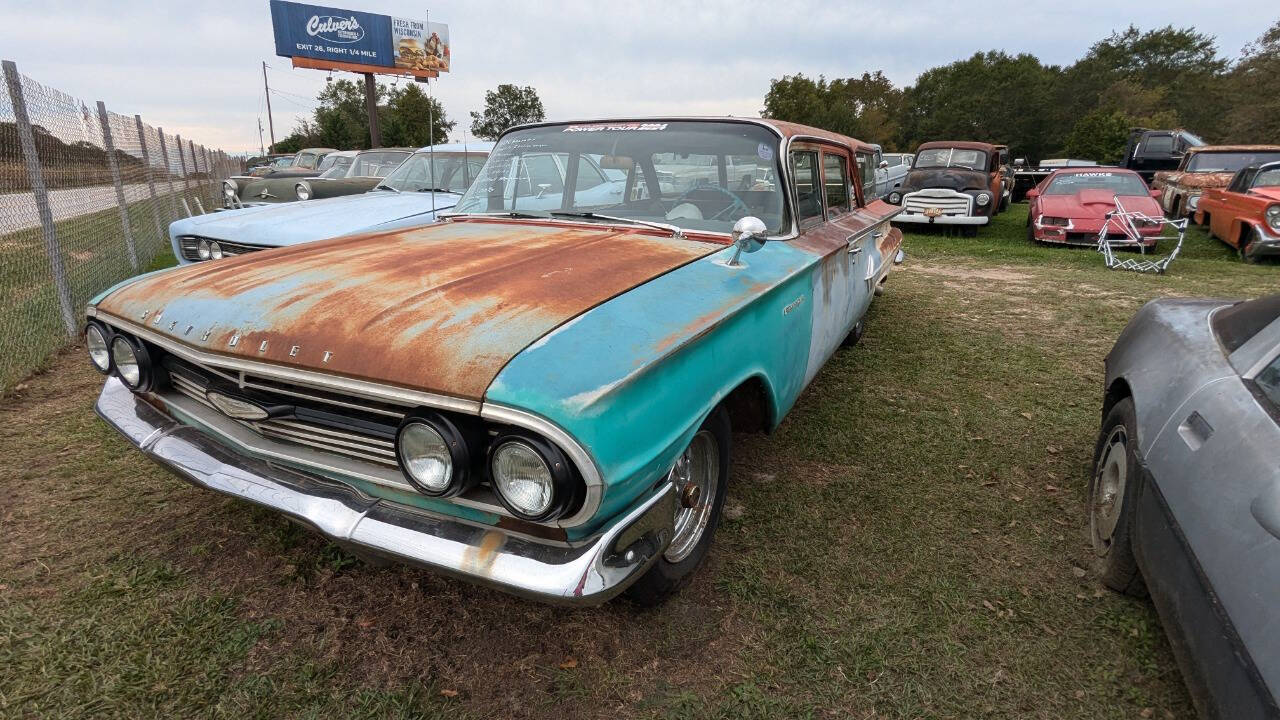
(854, 335)
(1031, 234)
(1110, 532)
(1242, 249)
(1004, 202)
(665, 578)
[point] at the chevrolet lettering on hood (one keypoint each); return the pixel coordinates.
(548, 380)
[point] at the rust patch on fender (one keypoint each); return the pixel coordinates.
(440, 308)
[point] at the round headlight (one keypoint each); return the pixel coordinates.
(1193, 202)
(982, 198)
(425, 457)
(215, 251)
(895, 197)
(99, 352)
(1273, 216)
(522, 478)
(229, 188)
(131, 362)
(202, 250)
(303, 191)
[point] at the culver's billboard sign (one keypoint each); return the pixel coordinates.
(351, 36)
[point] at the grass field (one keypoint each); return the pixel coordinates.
(909, 544)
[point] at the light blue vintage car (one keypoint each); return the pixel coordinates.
(538, 393)
(403, 199)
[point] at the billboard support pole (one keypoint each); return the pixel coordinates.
(271, 124)
(371, 102)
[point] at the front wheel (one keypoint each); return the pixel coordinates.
(1246, 239)
(701, 474)
(1113, 497)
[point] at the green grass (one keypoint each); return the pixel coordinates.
(910, 543)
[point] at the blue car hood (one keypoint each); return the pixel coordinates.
(298, 222)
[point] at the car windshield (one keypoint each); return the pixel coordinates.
(692, 174)
(1114, 182)
(951, 157)
(283, 162)
(1267, 178)
(337, 168)
(451, 172)
(376, 164)
(1228, 161)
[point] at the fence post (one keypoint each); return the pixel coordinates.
(151, 184)
(114, 164)
(210, 180)
(195, 170)
(51, 246)
(168, 171)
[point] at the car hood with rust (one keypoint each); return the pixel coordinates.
(1093, 204)
(440, 308)
(1197, 180)
(291, 223)
(950, 178)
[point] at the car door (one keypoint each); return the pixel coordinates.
(1216, 466)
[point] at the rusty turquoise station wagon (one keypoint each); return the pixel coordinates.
(538, 393)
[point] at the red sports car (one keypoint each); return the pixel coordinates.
(1070, 206)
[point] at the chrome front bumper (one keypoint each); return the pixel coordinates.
(920, 218)
(588, 572)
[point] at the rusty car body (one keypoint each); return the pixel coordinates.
(954, 182)
(1204, 168)
(348, 172)
(1246, 213)
(537, 393)
(1072, 205)
(1184, 501)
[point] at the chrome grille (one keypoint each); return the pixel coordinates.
(190, 244)
(948, 201)
(349, 441)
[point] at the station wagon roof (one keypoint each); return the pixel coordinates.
(958, 144)
(1232, 148)
(785, 130)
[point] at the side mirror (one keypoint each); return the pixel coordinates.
(884, 164)
(1032, 194)
(1156, 194)
(748, 236)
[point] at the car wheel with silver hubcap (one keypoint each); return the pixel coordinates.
(700, 475)
(1113, 496)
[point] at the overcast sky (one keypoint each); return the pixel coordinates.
(195, 68)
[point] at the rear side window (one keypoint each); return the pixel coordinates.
(1268, 381)
(1236, 324)
(808, 185)
(1159, 144)
(835, 177)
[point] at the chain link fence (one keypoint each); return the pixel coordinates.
(86, 198)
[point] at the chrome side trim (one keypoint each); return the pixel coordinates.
(320, 381)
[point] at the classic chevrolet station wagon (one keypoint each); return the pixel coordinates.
(538, 393)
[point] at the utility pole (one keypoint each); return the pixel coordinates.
(270, 122)
(371, 102)
(261, 150)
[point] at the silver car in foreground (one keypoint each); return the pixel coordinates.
(1184, 502)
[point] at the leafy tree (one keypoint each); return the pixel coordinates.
(990, 97)
(504, 107)
(404, 120)
(866, 107)
(1254, 85)
(1101, 135)
(292, 143)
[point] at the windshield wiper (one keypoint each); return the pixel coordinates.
(675, 231)
(380, 186)
(513, 214)
(443, 190)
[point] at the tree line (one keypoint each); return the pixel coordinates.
(1164, 78)
(407, 117)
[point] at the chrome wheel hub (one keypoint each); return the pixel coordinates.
(1110, 479)
(696, 476)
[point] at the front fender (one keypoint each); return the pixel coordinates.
(633, 378)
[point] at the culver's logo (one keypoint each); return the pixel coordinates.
(335, 29)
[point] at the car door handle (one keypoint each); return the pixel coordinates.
(855, 250)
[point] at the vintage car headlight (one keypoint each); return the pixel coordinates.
(131, 362)
(95, 338)
(433, 455)
(1193, 202)
(202, 250)
(303, 191)
(895, 198)
(982, 199)
(1273, 217)
(532, 477)
(215, 250)
(229, 188)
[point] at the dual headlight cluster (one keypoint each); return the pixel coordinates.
(531, 477)
(209, 250)
(1273, 217)
(119, 354)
